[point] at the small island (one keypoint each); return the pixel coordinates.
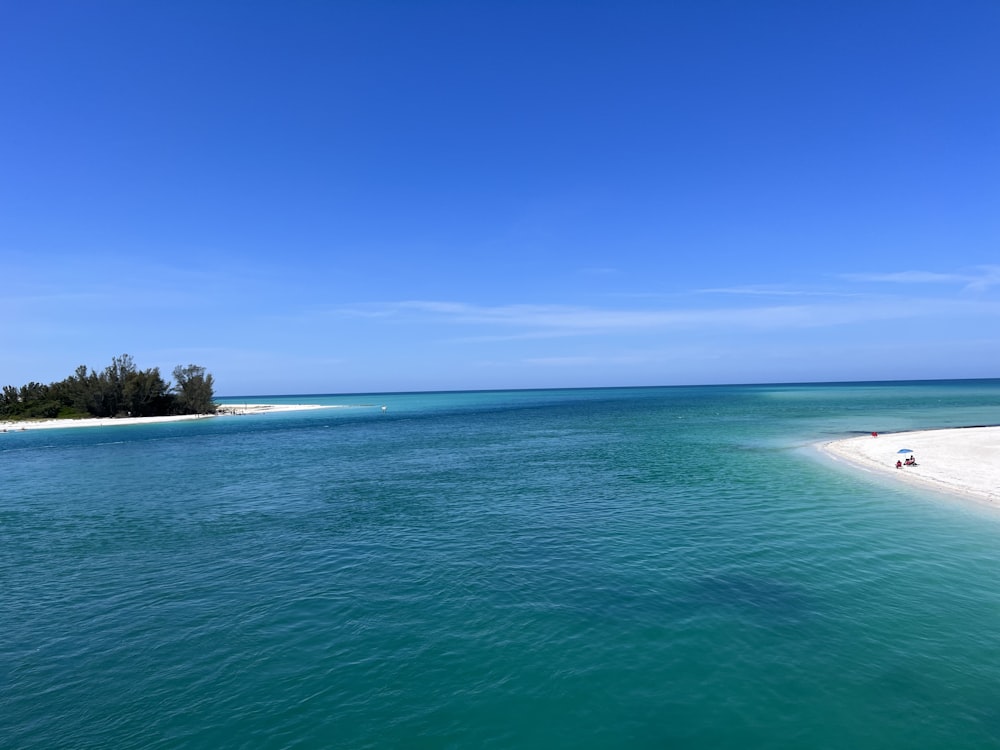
(121, 390)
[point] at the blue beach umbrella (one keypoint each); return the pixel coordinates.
(904, 450)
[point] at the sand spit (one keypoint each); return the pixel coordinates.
(964, 461)
(263, 408)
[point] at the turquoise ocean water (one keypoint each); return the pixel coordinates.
(622, 568)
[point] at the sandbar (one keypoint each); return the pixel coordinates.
(262, 408)
(225, 409)
(963, 461)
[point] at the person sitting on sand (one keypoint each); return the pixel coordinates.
(899, 464)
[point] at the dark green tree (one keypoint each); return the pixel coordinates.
(10, 401)
(195, 390)
(115, 376)
(32, 401)
(80, 393)
(146, 394)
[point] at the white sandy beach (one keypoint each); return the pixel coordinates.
(262, 408)
(963, 461)
(227, 409)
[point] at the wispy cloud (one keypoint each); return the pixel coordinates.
(520, 322)
(990, 276)
(774, 291)
(908, 277)
(599, 271)
(581, 361)
(981, 279)
(603, 358)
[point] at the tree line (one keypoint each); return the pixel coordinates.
(120, 390)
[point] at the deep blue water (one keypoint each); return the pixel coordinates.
(661, 567)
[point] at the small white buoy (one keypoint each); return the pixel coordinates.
(383, 409)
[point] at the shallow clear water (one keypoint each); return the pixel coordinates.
(663, 567)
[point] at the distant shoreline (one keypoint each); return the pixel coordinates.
(224, 410)
(238, 409)
(960, 461)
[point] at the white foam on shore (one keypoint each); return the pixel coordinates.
(49, 424)
(964, 461)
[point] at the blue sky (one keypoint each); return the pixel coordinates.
(377, 196)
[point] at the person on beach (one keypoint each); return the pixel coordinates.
(899, 464)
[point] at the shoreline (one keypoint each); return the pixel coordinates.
(224, 410)
(962, 461)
